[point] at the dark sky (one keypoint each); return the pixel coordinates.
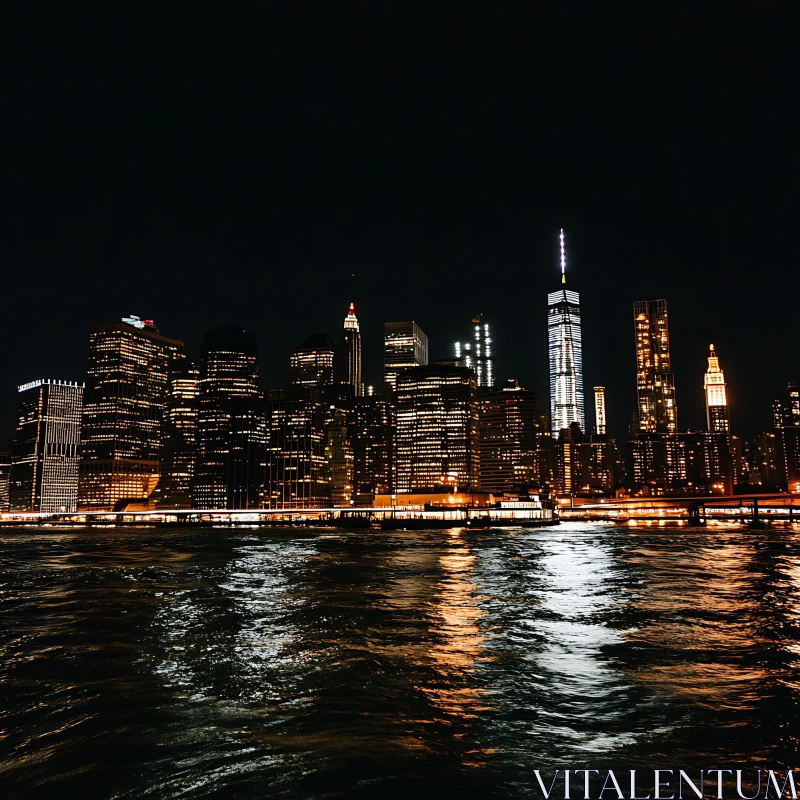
(266, 167)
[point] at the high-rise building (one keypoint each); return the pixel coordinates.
(786, 414)
(179, 438)
(437, 429)
(709, 462)
(404, 346)
(5, 479)
(297, 474)
(46, 448)
(351, 353)
(229, 471)
(657, 464)
(371, 425)
(717, 416)
(600, 410)
(311, 364)
(566, 354)
(586, 463)
(655, 383)
(766, 462)
(476, 354)
(126, 393)
(509, 438)
(339, 456)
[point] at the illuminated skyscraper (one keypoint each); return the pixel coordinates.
(477, 354)
(230, 423)
(339, 456)
(655, 383)
(371, 426)
(657, 464)
(404, 346)
(600, 410)
(311, 364)
(46, 451)
(297, 474)
(717, 415)
(179, 438)
(5, 478)
(351, 365)
(786, 412)
(566, 355)
(437, 429)
(509, 438)
(126, 393)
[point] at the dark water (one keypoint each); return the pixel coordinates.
(253, 663)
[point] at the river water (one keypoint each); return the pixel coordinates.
(313, 663)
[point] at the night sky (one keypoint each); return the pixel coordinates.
(265, 168)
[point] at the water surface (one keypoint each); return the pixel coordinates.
(299, 663)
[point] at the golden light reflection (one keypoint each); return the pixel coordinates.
(458, 636)
(702, 601)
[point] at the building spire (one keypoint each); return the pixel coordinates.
(563, 259)
(351, 321)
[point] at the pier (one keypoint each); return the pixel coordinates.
(755, 511)
(397, 517)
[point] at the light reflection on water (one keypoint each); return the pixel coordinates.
(286, 663)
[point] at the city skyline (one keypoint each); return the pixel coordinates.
(284, 203)
(624, 401)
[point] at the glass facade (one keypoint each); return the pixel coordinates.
(566, 360)
(46, 450)
(655, 383)
(786, 412)
(230, 423)
(311, 364)
(657, 465)
(509, 438)
(436, 441)
(5, 479)
(126, 393)
(404, 346)
(371, 424)
(477, 354)
(179, 439)
(297, 474)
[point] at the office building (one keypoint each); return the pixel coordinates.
(766, 462)
(339, 456)
(655, 383)
(585, 464)
(46, 448)
(179, 438)
(509, 438)
(297, 474)
(404, 346)
(436, 441)
(709, 463)
(717, 416)
(311, 364)
(566, 355)
(229, 472)
(126, 392)
(371, 424)
(657, 465)
(786, 415)
(5, 478)
(600, 410)
(476, 353)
